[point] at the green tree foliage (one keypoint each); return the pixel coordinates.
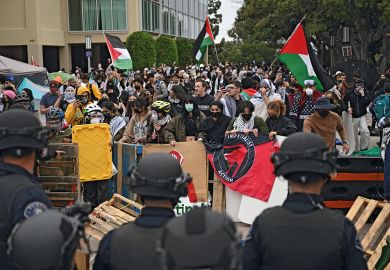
(142, 49)
(215, 17)
(184, 49)
(272, 21)
(166, 51)
(239, 52)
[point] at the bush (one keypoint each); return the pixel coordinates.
(184, 50)
(142, 49)
(166, 51)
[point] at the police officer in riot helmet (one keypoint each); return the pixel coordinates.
(200, 239)
(22, 141)
(303, 234)
(159, 181)
(32, 248)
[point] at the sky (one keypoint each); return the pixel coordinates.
(228, 10)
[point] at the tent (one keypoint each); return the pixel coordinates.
(37, 90)
(20, 70)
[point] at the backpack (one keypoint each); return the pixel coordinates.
(382, 106)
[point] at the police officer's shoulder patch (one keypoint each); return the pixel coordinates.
(34, 208)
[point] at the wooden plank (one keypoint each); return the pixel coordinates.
(374, 258)
(218, 197)
(376, 226)
(365, 215)
(94, 233)
(101, 224)
(61, 178)
(81, 260)
(125, 209)
(127, 201)
(57, 164)
(117, 213)
(68, 150)
(351, 215)
(108, 218)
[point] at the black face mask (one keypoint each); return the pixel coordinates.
(216, 114)
(107, 116)
(131, 103)
(323, 113)
(137, 110)
(137, 87)
(273, 117)
(246, 116)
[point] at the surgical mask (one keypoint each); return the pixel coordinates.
(189, 107)
(246, 116)
(323, 113)
(137, 87)
(95, 120)
(84, 100)
(216, 114)
(69, 96)
(309, 91)
(55, 126)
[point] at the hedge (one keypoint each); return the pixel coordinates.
(142, 48)
(184, 49)
(166, 51)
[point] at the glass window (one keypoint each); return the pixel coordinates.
(165, 17)
(146, 12)
(156, 17)
(172, 22)
(75, 20)
(185, 6)
(90, 15)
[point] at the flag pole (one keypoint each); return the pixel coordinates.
(216, 53)
(278, 53)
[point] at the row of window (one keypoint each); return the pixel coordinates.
(174, 22)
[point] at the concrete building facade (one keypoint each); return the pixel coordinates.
(53, 32)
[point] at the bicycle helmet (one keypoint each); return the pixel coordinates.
(93, 107)
(23, 97)
(55, 114)
(161, 106)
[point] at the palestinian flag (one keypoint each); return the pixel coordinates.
(204, 39)
(119, 54)
(296, 55)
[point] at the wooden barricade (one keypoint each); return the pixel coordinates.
(112, 214)
(59, 177)
(375, 238)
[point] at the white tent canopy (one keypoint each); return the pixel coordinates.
(11, 66)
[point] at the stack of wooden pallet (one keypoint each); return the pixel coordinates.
(373, 236)
(112, 214)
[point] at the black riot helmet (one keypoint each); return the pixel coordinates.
(159, 176)
(21, 129)
(46, 241)
(182, 245)
(302, 155)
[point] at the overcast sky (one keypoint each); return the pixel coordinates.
(228, 10)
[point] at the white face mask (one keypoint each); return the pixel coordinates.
(96, 120)
(309, 91)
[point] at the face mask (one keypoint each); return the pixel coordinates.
(69, 96)
(107, 116)
(272, 117)
(189, 107)
(216, 114)
(246, 116)
(55, 127)
(174, 100)
(137, 87)
(323, 113)
(137, 110)
(95, 120)
(309, 91)
(84, 100)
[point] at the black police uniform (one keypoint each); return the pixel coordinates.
(303, 235)
(130, 245)
(20, 197)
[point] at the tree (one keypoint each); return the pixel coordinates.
(214, 16)
(142, 49)
(166, 51)
(368, 19)
(184, 49)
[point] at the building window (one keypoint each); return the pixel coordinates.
(93, 15)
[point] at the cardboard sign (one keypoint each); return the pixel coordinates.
(194, 163)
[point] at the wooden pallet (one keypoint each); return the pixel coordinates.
(375, 238)
(111, 215)
(59, 177)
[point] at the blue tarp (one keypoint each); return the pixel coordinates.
(37, 90)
